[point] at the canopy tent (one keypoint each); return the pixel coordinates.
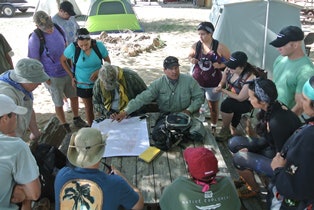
(250, 26)
(51, 7)
(112, 16)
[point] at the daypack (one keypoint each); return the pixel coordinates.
(41, 37)
(170, 130)
(78, 51)
(49, 160)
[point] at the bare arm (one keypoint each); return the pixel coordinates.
(26, 192)
(35, 133)
(224, 52)
(298, 108)
(192, 53)
(140, 203)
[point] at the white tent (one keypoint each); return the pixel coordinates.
(51, 7)
(250, 26)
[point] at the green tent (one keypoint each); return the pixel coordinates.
(112, 16)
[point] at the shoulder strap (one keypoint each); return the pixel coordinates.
(41, 37)
(76, 55)
(61, 31)
(215, 45)
(198, 49)
(95, 48)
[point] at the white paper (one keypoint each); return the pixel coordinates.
(126, 138)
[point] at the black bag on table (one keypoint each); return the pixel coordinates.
(49, 160)
(170, 130)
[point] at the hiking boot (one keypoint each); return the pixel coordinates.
(66, 127)
(224, 134)
(79, 123)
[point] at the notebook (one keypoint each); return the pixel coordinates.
(149, 154)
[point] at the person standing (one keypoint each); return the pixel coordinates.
(65, 18)
(19, 84)
(60, 82)
(85, 185)
(5, 55)
(204, 189)
(85, 67)
(292, 68)
(18, 168)
(208, 56)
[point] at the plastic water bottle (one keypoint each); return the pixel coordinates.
(202, 113)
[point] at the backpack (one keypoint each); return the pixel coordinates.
(78, 51)
(170, 130)
(198, 48)
(41, 37)
(49, 160)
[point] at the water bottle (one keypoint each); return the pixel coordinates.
(202, 113)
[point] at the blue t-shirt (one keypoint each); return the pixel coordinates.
(92, 189)
(86, 65)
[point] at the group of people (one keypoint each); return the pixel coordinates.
(71, 64)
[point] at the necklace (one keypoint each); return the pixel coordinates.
(172, 89)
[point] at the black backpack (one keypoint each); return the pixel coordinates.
(78, 51)
(41, 37)
(49, 160)
(170, 130)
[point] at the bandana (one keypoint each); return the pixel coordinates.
(308, 90)
(260, 93)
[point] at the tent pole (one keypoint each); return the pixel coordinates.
(265, 34)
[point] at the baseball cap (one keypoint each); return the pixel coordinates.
(67, 7)
(286, 35)
(236, 59)
(28, 70)
(201, 162)
(8, 105)
(170, 62)
(42, 20)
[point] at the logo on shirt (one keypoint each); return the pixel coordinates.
(210, 207)
(81, 194)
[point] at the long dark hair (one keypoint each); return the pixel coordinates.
(269, 89)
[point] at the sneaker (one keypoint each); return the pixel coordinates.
(66, 127)
(67, 107)
(224, 134)
(79, 123)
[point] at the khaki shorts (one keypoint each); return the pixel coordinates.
(60, 87)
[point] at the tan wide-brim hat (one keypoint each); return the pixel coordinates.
(86, 148)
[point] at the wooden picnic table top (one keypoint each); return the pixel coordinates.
(151, 178)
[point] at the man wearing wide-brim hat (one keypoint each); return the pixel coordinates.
(102, 190)
(19, 84)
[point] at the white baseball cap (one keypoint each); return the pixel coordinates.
(7, 106)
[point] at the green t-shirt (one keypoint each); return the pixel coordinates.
(290, 76)
(185, 194)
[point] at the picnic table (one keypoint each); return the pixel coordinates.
(151, 178)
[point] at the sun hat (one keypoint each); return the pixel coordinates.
(201, 162)
(170, 62)
(42, 20)
(108, 75)
(236, 59)
(8, 105)
(28, 70)
(286, 35)
(86, 147)
(67, 7)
